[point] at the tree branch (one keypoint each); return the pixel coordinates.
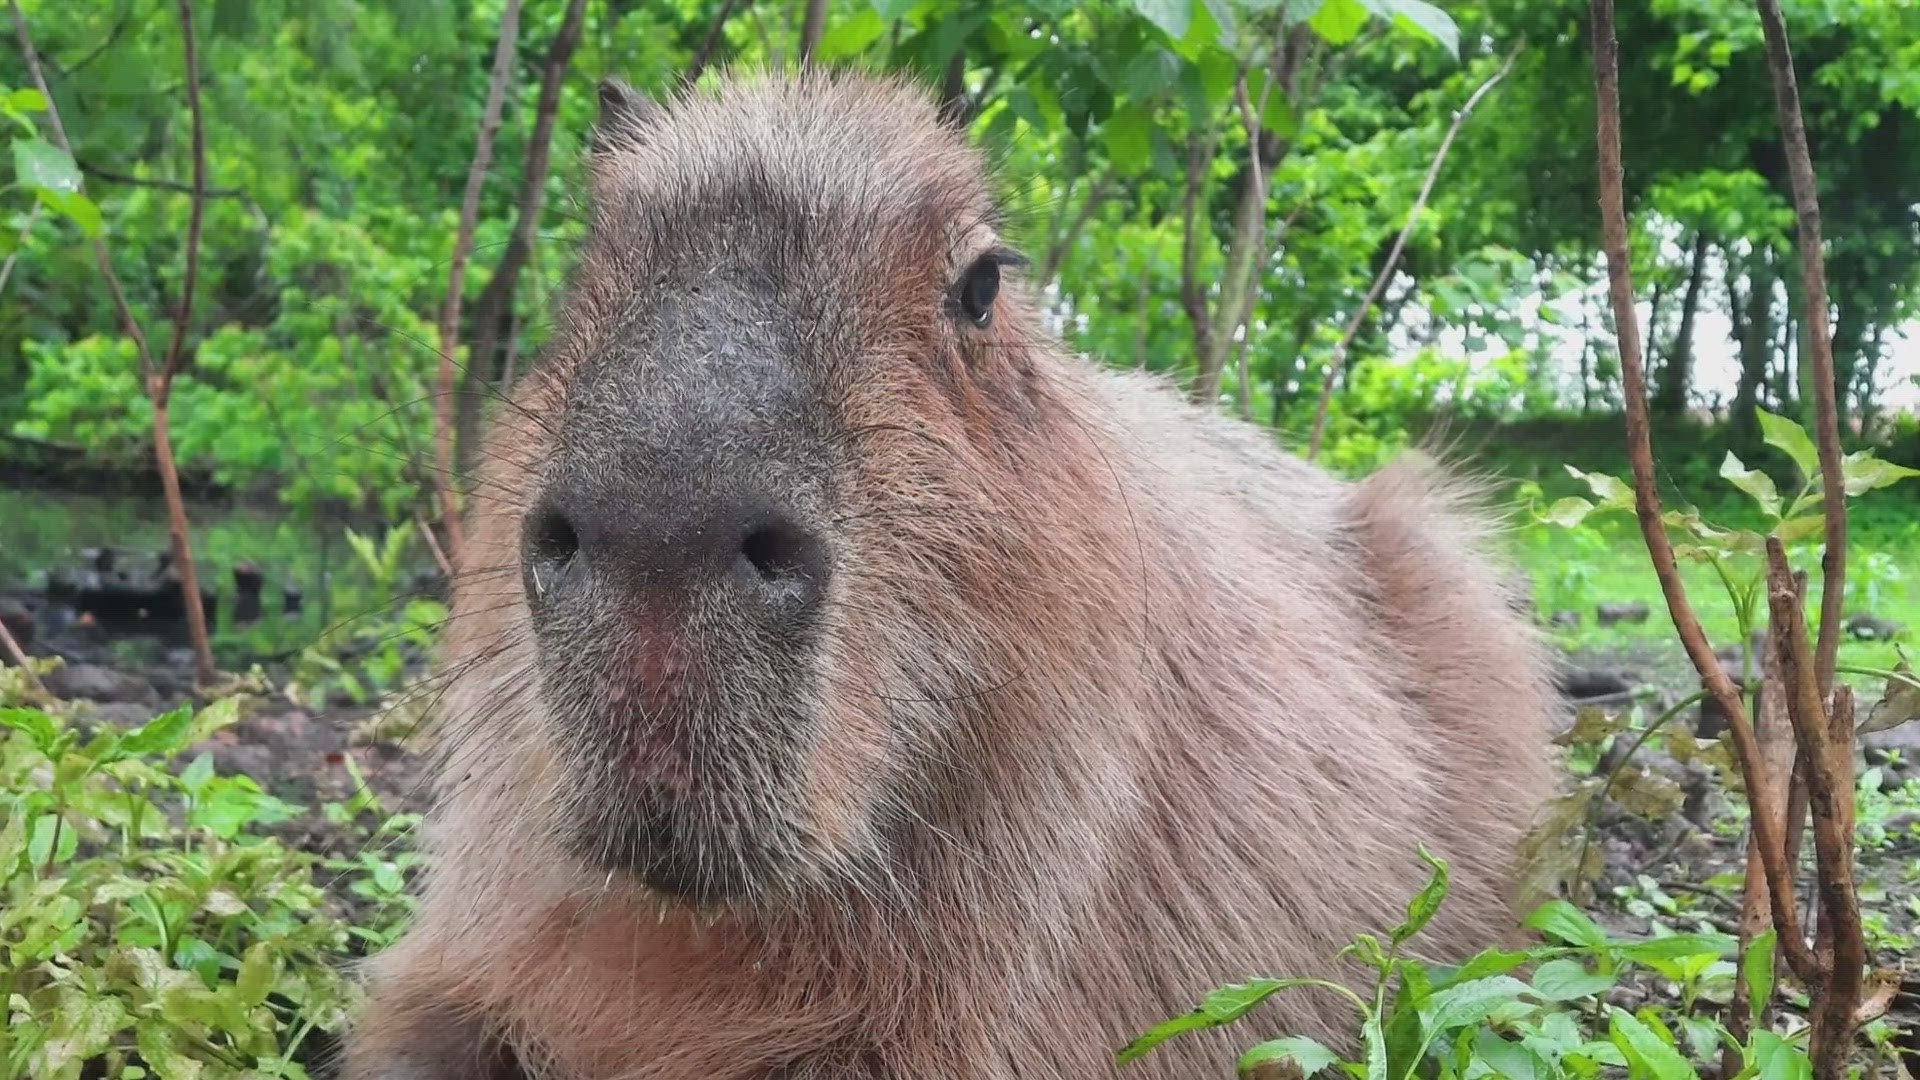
(1826, 745)
(497, 300)
(157, 381)
(1813, 279)
(1193, 296)
(1764, 798)
(1062, 244)
(811, 30)
(708, 43)
(1338, 364)
(444, 479)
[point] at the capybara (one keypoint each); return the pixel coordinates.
(845, 680)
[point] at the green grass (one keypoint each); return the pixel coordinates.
(1606, 561)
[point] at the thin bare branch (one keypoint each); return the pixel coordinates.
(1813, 279)
(11, 646)
(197, 210)
(456, 283)
(1339, 361)
(1058, 250)
(6, 268)
(1764, 799)
(709, 43)
(157, 381)
(160, 383)
(127, 322)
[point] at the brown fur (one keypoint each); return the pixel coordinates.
(1118, 702)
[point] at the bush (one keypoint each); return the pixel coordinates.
(1477, 1019)
(149, 928)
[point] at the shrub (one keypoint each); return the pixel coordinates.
(149, 928)
(1477, 1019)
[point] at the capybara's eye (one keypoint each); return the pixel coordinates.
(978, 289)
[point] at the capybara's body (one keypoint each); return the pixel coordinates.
(1022, 703)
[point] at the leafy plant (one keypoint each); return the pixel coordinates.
(42, 169)
(1479, 1018)
(149, 929)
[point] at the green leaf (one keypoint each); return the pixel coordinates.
(1427, 20)
(258, 972)
(1611, 490)
(1309, 1056)
(1421, 909)
(1863, 472)
(1675, 946)
(1800, 528)
(1783, 434)
(1562, 920)
(1172, 16)
(159, 1044)
(1756, 968)
(1494, 961)
(1129, 138)
(195, 776)
(34, 724)
(1568, 980)
(1339, 21)
(75, 207)
(1777, 1059)
(1470, 1002)
(27, 99)
(850, 36)
(1753, 482)
(1567, 513)
(1645, 1049)
(893, 9)
(51, 841)
(1511, 1060)
(38, 163)
(217, 716)
(83, 1028)
(164, 734)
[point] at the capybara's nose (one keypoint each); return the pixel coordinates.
(748, 553)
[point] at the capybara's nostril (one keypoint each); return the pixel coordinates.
(781, 550)
(547, 548)
(788, 562)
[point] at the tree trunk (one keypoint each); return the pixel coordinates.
(1677, 375)
(493, 313)
(445, 474)
(811, 30)
(1753, 330)
(1240, 276)
(1140, 303)
(1062, 245)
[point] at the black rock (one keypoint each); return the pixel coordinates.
(91, 682)
(1634, 612)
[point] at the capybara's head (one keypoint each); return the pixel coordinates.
(793, 345)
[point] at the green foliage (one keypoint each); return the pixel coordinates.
(1736, 554)
(149, 924)
(1481, 1018)
(368, 655)
(40, 168)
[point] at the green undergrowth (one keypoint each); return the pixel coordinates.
(1546, 1011)
(152, 926)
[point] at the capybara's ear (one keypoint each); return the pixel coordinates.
(625, 116)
